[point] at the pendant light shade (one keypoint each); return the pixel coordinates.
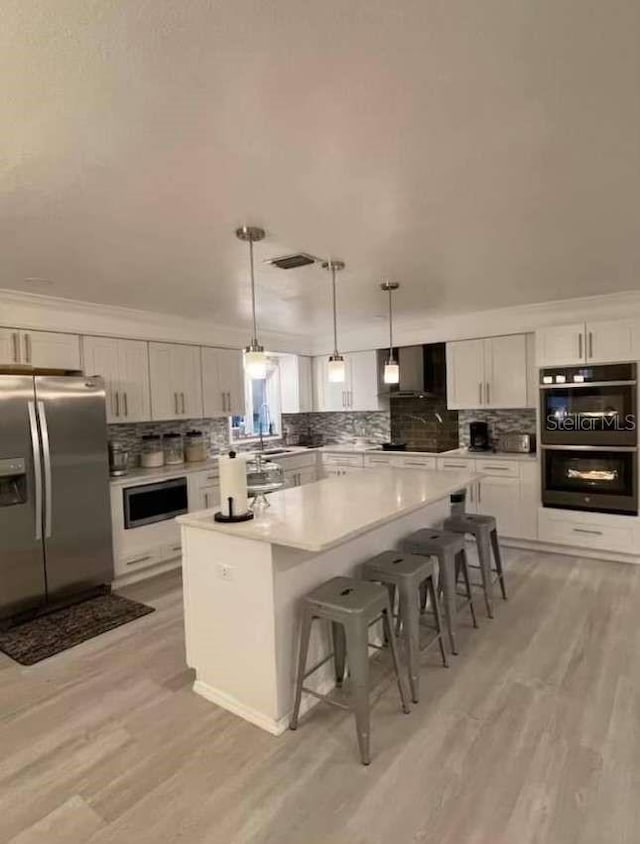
(391, 374)
(336, 369)
(255, 360)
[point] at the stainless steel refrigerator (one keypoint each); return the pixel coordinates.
(55, 516)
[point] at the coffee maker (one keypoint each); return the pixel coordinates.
(479, 436)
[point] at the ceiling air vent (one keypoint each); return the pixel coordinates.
(292, 262)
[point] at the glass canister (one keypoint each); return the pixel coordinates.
(195, 447)
(173, 449)
(151, 453)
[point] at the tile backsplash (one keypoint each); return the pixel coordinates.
(335, 428)
(518, 421)
(129, 436)
(424, 424)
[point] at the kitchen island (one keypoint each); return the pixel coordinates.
(243, 582)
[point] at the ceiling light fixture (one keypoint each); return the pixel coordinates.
(255, 360)
(391, 366)
(336, 366)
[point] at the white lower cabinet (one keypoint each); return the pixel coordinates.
(509, 491)
(338, 464)
(593, 531)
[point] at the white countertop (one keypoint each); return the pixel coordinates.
(347, 448)
(319, 516)
(138, 474)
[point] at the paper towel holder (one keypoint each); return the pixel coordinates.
(242, 517)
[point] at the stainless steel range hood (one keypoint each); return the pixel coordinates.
(423, 372)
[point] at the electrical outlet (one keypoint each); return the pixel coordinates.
(225, 572)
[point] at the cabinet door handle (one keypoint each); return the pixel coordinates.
(117, 403)
(586, 530)
(480, 391)
(138, 560)
(16, 347)
(126, 404)
(182, 398)
(206, 501)
(580, 345)
(479, 492)
(27, 348)
(488, 394)
(224, 401)
(590, 355)
(454, 466)
(175, 403)
(229, 402)
(490, 468)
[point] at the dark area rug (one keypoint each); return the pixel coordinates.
(50, 634)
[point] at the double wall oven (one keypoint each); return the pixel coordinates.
(589, 438)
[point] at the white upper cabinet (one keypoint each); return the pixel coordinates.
(296, 393)
(364, 381)
(222, 382)
(176, 381)
(506, 373)
(50, 349)
(465, 374)
(9, 346)
(488, 373)
(124, 366)
(359, 390)
(610, 341)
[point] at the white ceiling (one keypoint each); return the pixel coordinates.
(483, 153)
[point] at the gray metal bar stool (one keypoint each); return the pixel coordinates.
(484, 531)
(351, 606)
(448, 548)
(408, 573)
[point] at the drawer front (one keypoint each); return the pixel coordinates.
(585, 534)
(380, 460)
(356, 460)
(454, 464)
(498, 468)
(414, 462)
(141, 560)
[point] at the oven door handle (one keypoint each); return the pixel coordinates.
(589, 448)
(581, 385)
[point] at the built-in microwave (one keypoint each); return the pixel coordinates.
(589, 405)
(155, 502)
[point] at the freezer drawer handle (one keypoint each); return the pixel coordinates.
(46, 452)
(37, 467)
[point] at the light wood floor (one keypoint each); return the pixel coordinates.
(533, 735)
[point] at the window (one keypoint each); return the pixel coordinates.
(262, 403)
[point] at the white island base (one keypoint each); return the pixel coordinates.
(243, 582)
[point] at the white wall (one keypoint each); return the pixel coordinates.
(47, 313)
(430, 328)
(23, 310)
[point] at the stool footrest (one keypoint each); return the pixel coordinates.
(319, 665)
(326, 699)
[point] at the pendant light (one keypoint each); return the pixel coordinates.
(336, 366)
(391, 366)
(255, 360)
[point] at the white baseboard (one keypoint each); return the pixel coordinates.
(271, 725)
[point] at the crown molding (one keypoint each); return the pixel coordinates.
(434, 328)
(51, 313)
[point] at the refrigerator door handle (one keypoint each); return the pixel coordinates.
(46, 453)
(37, 467)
